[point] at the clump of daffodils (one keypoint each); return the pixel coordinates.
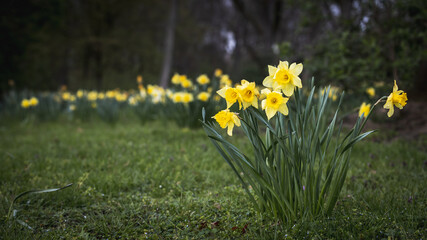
(281, 80)
(280, 84)
(294, 173)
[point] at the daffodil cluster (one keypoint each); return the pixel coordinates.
(282, 80)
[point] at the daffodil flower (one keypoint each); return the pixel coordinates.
(284, 78)
(225, 118)
(176, 79)
(203, 96)
(274, 102)
(370, 91)
(218, 72)
(25, 103)
(231, 96)
(397, 98)
(364, 109)
(247, 92)
(203, 79)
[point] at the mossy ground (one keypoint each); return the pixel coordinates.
(163, 182)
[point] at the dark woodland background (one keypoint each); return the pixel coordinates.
(104, 44)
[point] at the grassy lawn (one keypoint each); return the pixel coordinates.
(163, 182)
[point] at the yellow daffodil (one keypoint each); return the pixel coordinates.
(177, 97)
(225, 118)
(186, 83)
(176, 79)
(111, 94)
(187, 97)
(364, 109)
(274, 102)
(34, 102)
(79, 93)
(72, 107)
(203, 79)
(66, 96)
(284, 78)
(203, 96)
(248, 92)
(92, 96)
(231, 96)
(25, 103)
(217, 98)
(93, 105)
(370, 91)
(101, 95)
(397, 98)
(218, 72)
(150, 89)
(121, 97)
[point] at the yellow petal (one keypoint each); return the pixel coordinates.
(236, 120)
(297, 81)
(390, 112)
(297, 69)
(395, 86)
(229, 104)
(222, 91)
(246, 104)
(283, 65)
(270, 112)
(265, 91)
(276, 86)
(271, 70)
(255, 102)
(244, 82)
(389, 102)
(268, 81)
(263, 102)
(230, 129)
(288, 90)
(283, 109)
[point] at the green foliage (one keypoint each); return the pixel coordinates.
(367, 48)
(109, 110)
(147, 110)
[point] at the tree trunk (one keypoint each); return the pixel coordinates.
(169, 44)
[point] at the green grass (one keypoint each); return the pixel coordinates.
(162, 182)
